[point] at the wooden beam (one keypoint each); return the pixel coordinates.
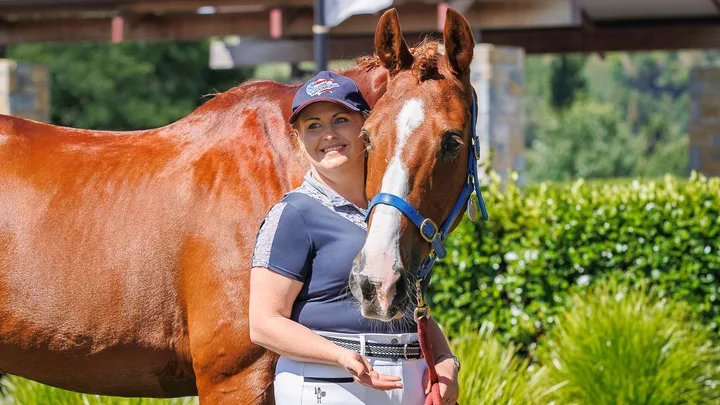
(415, 18)
(139, 28)
(637, 36)
(79, 7)
(644, 37)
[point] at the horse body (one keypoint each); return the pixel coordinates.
(125, 257)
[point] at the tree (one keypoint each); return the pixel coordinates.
(567, 81)
(127, 86)
(589, 140)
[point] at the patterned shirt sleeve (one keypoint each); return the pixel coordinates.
(283, 244)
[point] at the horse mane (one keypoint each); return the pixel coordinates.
(428, 63)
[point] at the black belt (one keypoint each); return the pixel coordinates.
(392, 351)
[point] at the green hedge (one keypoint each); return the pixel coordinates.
(544, 242)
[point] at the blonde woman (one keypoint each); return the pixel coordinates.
(300, 305)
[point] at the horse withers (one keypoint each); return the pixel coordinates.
(125, 257)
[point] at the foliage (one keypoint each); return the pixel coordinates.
(621, 345)
(647, 91)
(542, 242)
(19, 391)
(567, 82)
(126, 86)
(495, 374)
(586, 141)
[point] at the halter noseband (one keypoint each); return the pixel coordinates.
(428, 229)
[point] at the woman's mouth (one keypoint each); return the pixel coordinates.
(335, 148)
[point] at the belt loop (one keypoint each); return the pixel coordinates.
(362, 344)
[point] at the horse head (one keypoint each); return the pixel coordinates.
(421, 163)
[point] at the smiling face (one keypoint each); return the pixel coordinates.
(330, 135)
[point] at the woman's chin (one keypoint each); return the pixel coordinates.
(336, 162)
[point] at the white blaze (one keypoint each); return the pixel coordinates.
(382, 247)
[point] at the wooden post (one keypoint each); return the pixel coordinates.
(276, 23)
(320, 34)
(118, 28)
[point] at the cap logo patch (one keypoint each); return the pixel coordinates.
(320, 86)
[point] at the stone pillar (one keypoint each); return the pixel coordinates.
(24, 90)
(498, 75)
(704, 126)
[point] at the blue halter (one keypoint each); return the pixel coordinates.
(428, 229)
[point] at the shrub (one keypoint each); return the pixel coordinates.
(620, 345)
(543, 242)
(494, 374)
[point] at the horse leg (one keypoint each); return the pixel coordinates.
(251, 386)
(229, 368)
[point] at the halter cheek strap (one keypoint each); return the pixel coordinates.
(428, 229)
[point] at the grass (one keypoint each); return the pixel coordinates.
(622, 346)
(19, 391)
(493, 374)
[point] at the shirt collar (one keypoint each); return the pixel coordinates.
(335, 199)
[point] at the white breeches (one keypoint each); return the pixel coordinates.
(300, 383)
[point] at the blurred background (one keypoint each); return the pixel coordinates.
(595, 280)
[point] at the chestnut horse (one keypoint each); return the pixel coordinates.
(125, 257)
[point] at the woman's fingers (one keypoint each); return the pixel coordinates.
(380, 381)
(362, 372)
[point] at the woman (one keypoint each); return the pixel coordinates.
(300, 305)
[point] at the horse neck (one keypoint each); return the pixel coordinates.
(372, 81)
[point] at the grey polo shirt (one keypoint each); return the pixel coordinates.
(312, 235)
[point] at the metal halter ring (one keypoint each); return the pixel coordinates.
(435, 228)
(422, 312)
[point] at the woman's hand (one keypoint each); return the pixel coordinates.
(363, 373)
(447, 379)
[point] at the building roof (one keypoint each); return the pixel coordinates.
(537, 25)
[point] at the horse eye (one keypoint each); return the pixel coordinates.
(451, 143)
(366, 139)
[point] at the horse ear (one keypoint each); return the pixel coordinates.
(459, 42)
(390, 45)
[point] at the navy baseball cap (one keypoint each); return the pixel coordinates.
(332, 87)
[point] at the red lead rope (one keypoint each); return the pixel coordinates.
(422, 313)
(434, 397)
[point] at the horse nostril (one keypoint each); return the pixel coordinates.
(367, 287)
(400, 288)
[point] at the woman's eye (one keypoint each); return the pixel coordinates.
(314, 125)
(341, 120)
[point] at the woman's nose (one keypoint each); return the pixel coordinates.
(330, 134)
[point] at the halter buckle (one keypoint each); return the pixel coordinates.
(476, 147)
(435, 230)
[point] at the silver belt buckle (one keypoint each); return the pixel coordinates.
(405, 348)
